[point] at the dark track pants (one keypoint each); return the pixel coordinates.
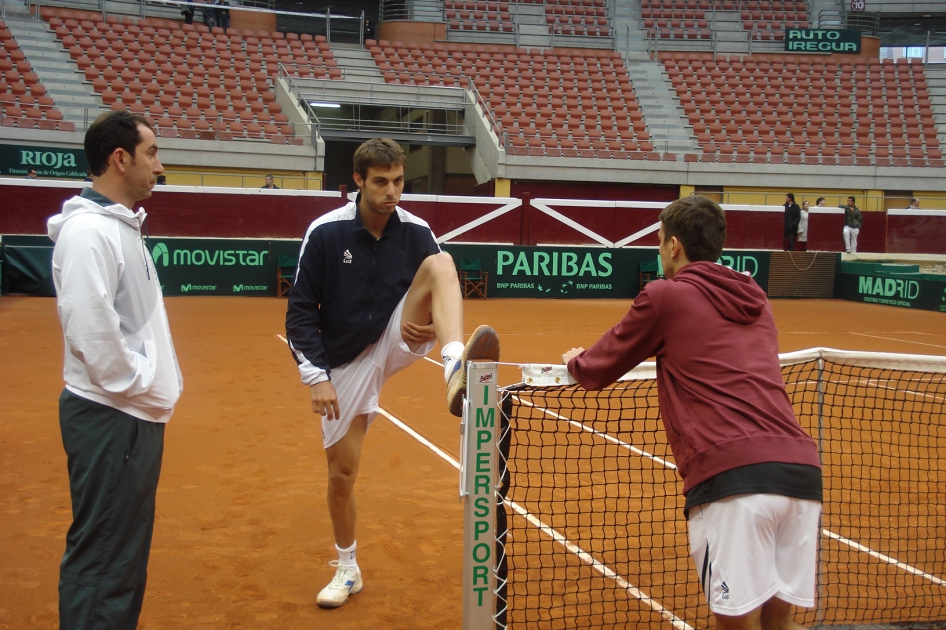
(114, 465)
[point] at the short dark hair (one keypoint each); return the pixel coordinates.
(699, 224)
(913, 199)
(112, 130)
(31, 169)
(378, 152)
(819, 200)
(269, 176)
(851, 198)
(790, 196)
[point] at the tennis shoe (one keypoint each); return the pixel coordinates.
(482, 346)
(347, 581)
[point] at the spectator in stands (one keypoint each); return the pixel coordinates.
(209, 14)
(31, 173)
(852, 226)
(369, 29)
(162, 180)
(792, 217)
(121, 372)
(803, 228)
(914, 204)
(188, 13)
(223, 14)
(269, 184)
(819, 202)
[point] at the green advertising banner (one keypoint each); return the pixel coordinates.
(201, 266)
(920, 291)
(48, 161)
(823, 40)
(580, 272)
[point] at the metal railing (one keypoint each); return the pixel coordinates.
(390, 10)
(169, 9)
(866, 23)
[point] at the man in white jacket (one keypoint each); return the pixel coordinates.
(121, 372)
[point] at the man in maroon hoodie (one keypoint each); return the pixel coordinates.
(751, 475)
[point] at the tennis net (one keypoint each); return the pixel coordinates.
(589, 519)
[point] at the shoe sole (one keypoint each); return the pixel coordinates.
(482, 346)
(357, 588)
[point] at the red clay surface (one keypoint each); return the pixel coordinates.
(243, 538)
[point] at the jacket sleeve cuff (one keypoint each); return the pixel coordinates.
(311, 374)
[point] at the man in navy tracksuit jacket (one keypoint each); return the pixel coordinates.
(751, 475)
(373, 293)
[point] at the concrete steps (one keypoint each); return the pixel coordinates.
(531, 29)
(356, 63)
(668, 126)
(56, 70)
(936, 80)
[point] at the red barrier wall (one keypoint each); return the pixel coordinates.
(234, 213)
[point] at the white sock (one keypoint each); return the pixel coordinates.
(346, 557)
(450, 355)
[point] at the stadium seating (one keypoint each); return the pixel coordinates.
(764, 20)
(587, 18)
(562, 102)
(477, 15)
(191, 82)
(799, 110)
(23, 99)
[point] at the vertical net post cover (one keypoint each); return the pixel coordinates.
(478, 435)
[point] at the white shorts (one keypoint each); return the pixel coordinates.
(749, 548)
(358, 382)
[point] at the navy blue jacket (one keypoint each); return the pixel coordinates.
(348, 285)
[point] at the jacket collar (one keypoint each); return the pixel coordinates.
(394, 221)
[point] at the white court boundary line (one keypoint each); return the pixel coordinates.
(918, 343)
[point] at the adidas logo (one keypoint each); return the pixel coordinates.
(725, 589)
(346, 257)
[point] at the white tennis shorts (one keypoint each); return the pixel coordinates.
(358, 382)
(749, 548)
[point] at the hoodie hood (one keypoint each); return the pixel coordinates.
(80, 205)
(734, 295)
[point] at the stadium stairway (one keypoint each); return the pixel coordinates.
(356, 63)
(531, 28)
(936, 80)
(58, 73)
(628, 36)
(730, 36)
(669, 128)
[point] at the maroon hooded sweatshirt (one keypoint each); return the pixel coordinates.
(719, 382)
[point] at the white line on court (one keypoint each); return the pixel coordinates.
(901, 565)
(606, 436)
(919, 343)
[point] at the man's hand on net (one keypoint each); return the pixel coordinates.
(571, 354)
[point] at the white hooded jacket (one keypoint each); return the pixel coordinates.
(118, 342)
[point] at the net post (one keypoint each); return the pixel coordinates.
(480, 430)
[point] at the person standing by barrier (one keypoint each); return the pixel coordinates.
(802, 242)
(121, 372)
(792, 216)
(852, 226)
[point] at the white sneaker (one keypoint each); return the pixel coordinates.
(483, 345)
(347, 581)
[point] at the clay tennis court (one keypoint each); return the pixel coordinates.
(242, 538)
